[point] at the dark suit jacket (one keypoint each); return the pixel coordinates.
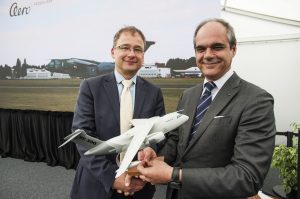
(231, 151)
(98, 111)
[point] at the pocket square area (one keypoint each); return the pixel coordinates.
(219, 116)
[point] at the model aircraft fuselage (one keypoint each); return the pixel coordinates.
(161, 126)
(144, 132)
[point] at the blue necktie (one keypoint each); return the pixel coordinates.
(202, 106)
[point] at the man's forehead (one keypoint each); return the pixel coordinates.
(214, 25)
(210, 33)
(212, 28)
(130, 36)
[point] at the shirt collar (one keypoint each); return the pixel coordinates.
(221, 81)
(120, 78)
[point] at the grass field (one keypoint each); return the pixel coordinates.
(60, 95)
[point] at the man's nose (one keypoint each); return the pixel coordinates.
(208, 53)
(131, 52)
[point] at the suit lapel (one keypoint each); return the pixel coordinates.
(190, 111)
(227, 92)
(111, 90)
(140, 93)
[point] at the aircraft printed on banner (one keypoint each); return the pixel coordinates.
(144, 133)
(190, 72)
(83, 68)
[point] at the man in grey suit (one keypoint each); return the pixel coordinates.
(98, 112)
(230, 152)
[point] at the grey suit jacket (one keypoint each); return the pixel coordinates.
(231, 152)
(98, 111)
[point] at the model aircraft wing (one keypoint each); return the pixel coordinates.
(139, 136)
(141, 122)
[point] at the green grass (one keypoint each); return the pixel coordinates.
(38, 83)
(60, 99)
(61, 95)
(180, 82)
(171, 98)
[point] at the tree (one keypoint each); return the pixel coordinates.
(179, 64)
(17, 69)
(5, 71)
(191, 62)
(24, 69)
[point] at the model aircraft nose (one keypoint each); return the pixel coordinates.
(185, 118)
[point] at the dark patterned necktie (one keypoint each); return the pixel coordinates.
(202, 106)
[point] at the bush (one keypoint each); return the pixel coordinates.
(286, 159)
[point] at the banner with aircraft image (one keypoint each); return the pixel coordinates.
(72, 40)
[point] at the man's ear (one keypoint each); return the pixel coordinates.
(112, 52)
(233, 50)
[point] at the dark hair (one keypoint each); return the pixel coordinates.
(132, 30)
(229, 31)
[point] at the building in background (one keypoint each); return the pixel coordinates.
(152, 71)
(33, 73)
(164, 72)
(268, 37)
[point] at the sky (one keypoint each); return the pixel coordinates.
(84, 29)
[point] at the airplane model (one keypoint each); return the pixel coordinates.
(144, 133)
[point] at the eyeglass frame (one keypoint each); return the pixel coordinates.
(127, 49)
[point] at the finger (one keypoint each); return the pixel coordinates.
(131, 193)
(140, 182)
(148, 179)
(141, 155)
(148, 154)
(140, 167)
(127, 180)
(144, 178)
(126, 193)
(150, 163)
(119, 191)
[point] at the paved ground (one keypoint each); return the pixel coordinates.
(35, 180)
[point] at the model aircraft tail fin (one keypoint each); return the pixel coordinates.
(80, 137)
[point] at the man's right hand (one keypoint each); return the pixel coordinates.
(134, 185)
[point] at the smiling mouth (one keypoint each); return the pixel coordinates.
(211, 63)
(131, 62)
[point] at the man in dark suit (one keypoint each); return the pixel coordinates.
(229, 153)
(98, 112)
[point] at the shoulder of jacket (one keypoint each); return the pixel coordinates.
(141, 80)
(193, 89)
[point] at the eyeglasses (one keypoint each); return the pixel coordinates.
(128, 49)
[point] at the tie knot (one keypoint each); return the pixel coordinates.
(210, 86)
(127, 83)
